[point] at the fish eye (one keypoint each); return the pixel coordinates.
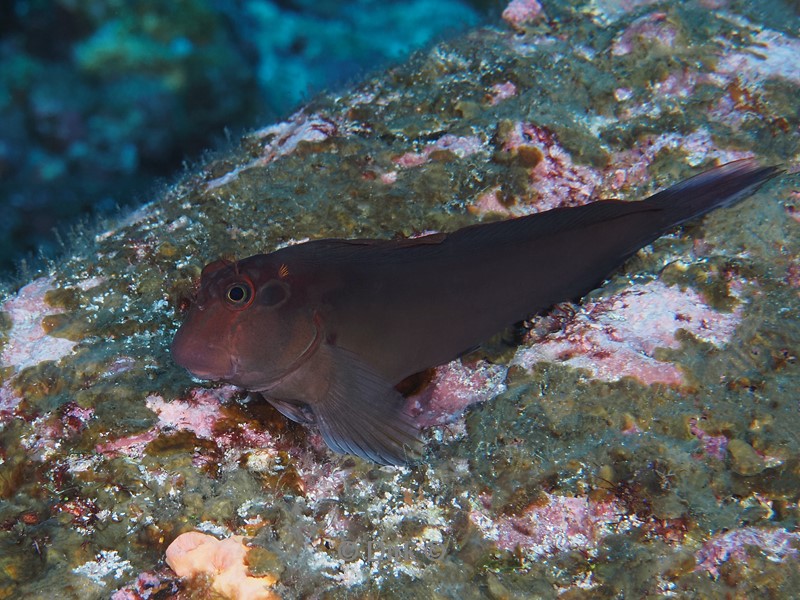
(239, 294)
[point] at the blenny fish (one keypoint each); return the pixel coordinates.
(325, 330)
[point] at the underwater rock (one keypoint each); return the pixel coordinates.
(454, 387)
(522, 12)
(618, 337)
(713, 445)
(592, 457)
(735, 545)
(744, 459)
(29, 344)
(560, 524)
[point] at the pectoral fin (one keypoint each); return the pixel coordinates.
(363, 414)
(296, 411)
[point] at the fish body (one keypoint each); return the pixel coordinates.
(324, 330)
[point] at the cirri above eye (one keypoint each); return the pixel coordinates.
(239, 294)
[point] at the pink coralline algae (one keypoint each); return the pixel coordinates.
(713, 445)
(460, 146)
(130, 445)
(674, 86)
(52, 429)
(489, 202)
(28, 344)
(793, 274)
(742, 74)
(502, 91)
(564, 523)
(282, 139)
(147, 585)
(454, 387)
(774, 55)
(617, 337)
(775, 544)
(651, 28)
(200, 414)
(520, 12)
(631, 167)
(9, 400)
(554, 181)
(792, 209)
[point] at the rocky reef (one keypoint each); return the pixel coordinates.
(640, 444)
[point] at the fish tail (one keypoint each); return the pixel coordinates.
(719, 187)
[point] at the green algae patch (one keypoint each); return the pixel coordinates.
(40, 384)
(262, 562)
(66, 298)
(67, 326)
(744, 459)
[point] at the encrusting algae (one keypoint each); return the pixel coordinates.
(640, 444)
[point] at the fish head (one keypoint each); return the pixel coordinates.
(249, 325)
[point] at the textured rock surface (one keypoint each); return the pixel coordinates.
(576, 472)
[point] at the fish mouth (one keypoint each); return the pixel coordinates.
(214, 373)
(210, 375)
(302, 358)
(196, 361)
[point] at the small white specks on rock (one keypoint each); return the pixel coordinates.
(108, 564)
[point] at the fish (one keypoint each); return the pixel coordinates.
(324, 330)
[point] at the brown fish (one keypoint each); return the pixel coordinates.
(326, 329)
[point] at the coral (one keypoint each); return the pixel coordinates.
(225, 561)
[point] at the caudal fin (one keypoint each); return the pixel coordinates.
(718, 187)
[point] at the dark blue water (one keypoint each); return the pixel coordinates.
(101, 100)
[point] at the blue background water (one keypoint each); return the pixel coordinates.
(99, 99)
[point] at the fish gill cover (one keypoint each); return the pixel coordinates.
(643, 443)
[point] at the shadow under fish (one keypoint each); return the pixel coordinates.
(324, 330)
